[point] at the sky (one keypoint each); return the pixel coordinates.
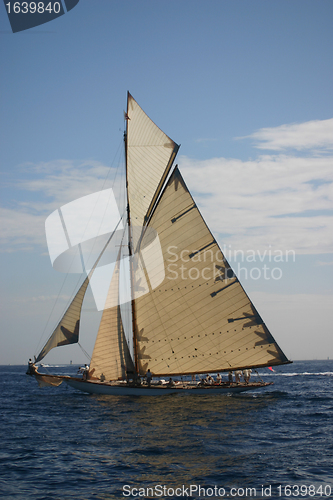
(244, 87)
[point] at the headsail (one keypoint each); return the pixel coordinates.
(111, 356)
(67, 330)
(150, 154)
(199, 319)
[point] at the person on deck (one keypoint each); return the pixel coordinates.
(84, 372)
(218, 378)
(31, 368)
(149, 377)
(230, 377)
(247, 375)
(238, 374)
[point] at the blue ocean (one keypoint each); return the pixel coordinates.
(59, 444)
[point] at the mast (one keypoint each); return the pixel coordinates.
(150, 154)
(130, 247)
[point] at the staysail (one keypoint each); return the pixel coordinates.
(111, 356)
(199, 319)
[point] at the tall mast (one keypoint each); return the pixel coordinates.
(130, 249)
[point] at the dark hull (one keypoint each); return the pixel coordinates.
(122, 389)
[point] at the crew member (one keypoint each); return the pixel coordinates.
(149, 377)
(247, 375)
(32, 369)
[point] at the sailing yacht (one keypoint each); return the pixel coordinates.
(189, 314)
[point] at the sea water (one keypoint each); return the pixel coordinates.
(58, 443)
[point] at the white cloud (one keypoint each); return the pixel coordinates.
(52, 185)
(42, 298)
(283, 201)
(315, 134)
(205, 139)
(62, 181)
(21, 229)
(323, 263)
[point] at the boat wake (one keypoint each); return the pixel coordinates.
(300, 374)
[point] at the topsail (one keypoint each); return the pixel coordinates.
(150, 154)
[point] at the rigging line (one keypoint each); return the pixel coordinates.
(45, 368)
(85, 352)
(97, 201)
(113, 161)
(261, 380)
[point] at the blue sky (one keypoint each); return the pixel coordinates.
(244, 87)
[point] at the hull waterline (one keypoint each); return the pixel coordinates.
(125, 390)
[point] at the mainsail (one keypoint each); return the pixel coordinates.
(199, 319)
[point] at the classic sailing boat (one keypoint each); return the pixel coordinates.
(189, 313)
